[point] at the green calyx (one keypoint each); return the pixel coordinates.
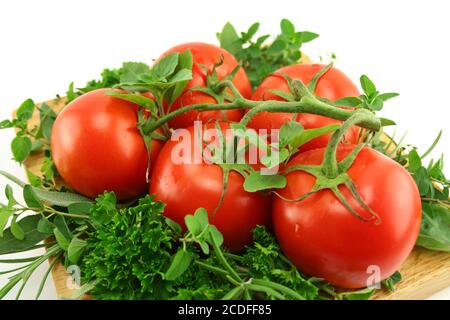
(215, 87)
(331, 174)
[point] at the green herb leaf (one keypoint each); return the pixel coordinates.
(47, 119)
(387, 122)
(287, 28)
(363, 294)
(306, 36)
(10, 196)
(63, 199)
(45, 226)
(166, 66)
(35, 180)
(288, 132)
(16, 229)
(80, 208)
(21, 148)
(305, 136)
(26, 109)
(63, 242)
(251, 31)
(9, 244)
(133, 71)
(181, 76)
(179, 265)
(104, 208)
(48, 169)
(136, 98)
(6, 124)
(367, 85)
(192, 225)
(63, 228)
(5, 214)
(216, 235)
(351, 102)
(76, 249)
(390, 282)
(202, 217)
(184, 72)
(258, 57)
(31, 199)
(174, 226)
(387, 96)
(70, 93)
(256, 181)
(435, 229)
(229, 39)
(414, 161)
(433, 145)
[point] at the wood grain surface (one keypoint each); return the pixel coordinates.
(424, 273)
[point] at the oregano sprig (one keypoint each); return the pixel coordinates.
(259, 57)
(372, 99)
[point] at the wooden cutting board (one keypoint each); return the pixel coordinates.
(425, 272)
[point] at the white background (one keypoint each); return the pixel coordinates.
(402, 45)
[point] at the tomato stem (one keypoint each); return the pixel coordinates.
(279, 287)
(307, 104)
(200, 107)
(330, 165)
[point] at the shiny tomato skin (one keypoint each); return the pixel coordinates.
(186, 187)
(207, 55)
(97, 147)
(324, 239)
(333, 85)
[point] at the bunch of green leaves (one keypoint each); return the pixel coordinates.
(108, 79)
(57, 214)
(165, 80)
(434, 191)
(372, 99)
(433, 187)
(260, 58)
(128, 251)
(264, 259)
(32, 139)
(136, 253)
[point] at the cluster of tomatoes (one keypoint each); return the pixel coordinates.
(97, 147)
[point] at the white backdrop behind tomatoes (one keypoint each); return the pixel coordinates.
(401, 45)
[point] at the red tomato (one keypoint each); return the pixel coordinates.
(184, 187)
(322, 238)
(332, 85)
(96, 146)
(206, 56)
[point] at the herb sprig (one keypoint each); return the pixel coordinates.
(260, 58)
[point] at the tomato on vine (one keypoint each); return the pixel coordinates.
(184, 186)
(96, 146)
(332, 85)
(210, 65)
(323, 238)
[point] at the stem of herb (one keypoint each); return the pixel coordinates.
(220, 256)
(279, 287)
(211, 268)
